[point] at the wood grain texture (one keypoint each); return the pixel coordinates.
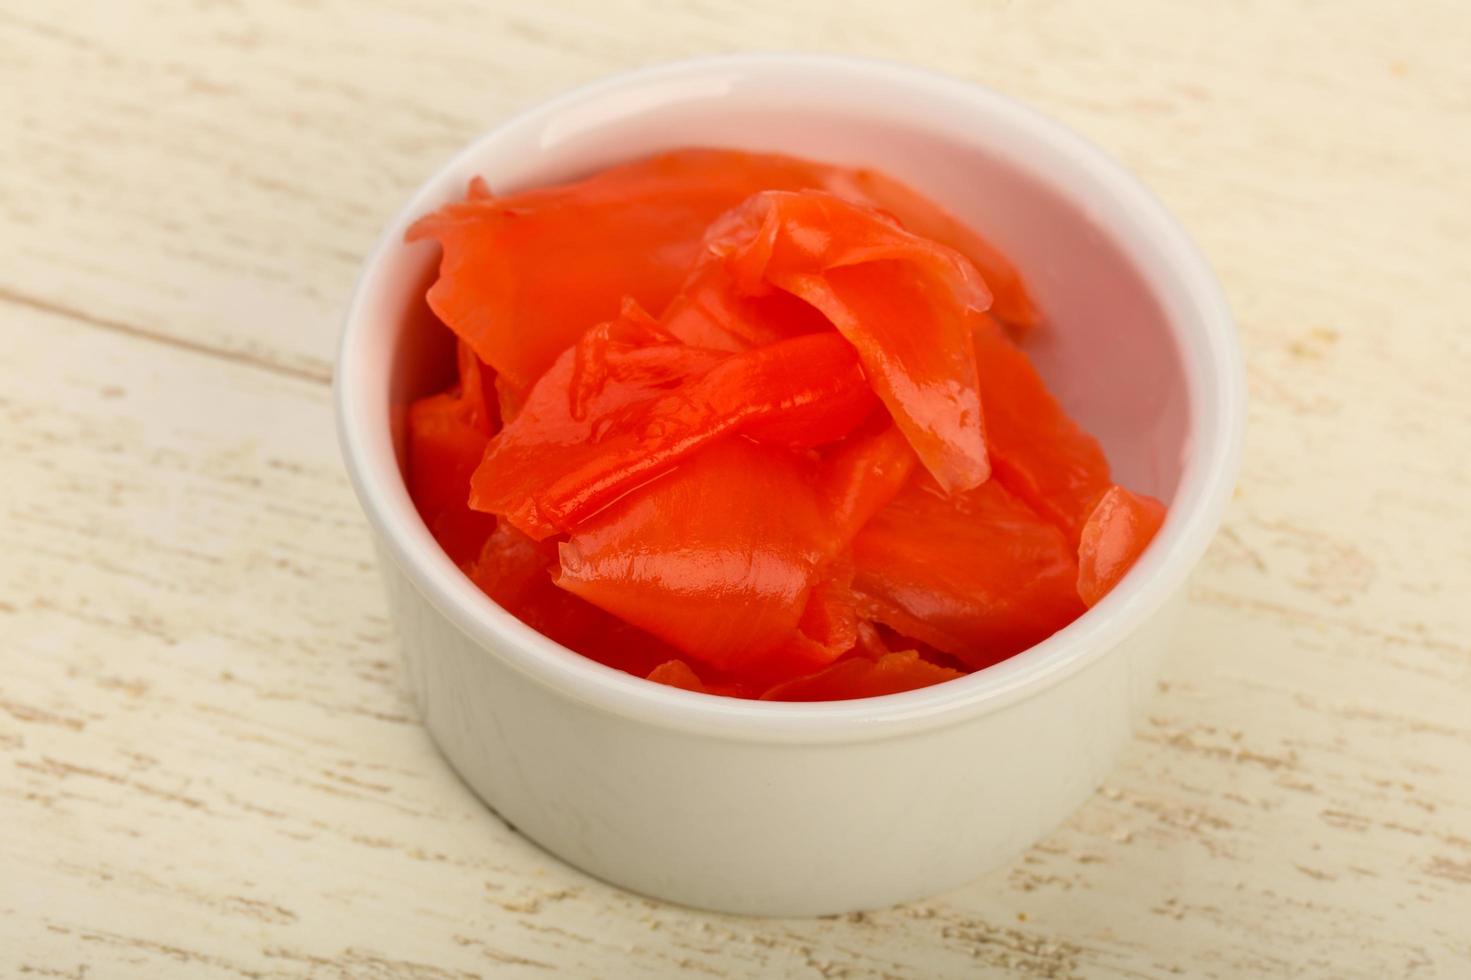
(207, 768)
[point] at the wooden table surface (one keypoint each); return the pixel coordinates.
(207, 766)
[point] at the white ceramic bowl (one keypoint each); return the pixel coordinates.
(799, 809)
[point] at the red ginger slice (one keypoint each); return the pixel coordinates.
(861, 677)
(903, 302)
(516, 572)
(1119, 529)
(588, 435)
(677, 673)
(924, 218)
(979, 576)
(1037, 451)
(855, 480)
(447, 434)
(718, 557)
(709, 312)
(860, 476)
(522, 276)
(828, 627)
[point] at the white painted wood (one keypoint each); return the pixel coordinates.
(206, 766)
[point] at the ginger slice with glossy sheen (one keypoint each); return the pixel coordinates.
(905, 303)
(573, 450)
(978, 576)
(564, 257)
(516, 572)
(447, 435)
(718, 557)
(1118, 530)
(860, 677)
(1037, 451)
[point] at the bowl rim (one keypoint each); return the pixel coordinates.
(1126, 208)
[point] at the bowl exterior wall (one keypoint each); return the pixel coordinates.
(770, 828)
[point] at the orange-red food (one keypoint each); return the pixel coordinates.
(709, 312)
(524, 275)
(612, 415)
(677, 673)
(1038, 452)
(447, 437)
(723, 576)
(905, 303)
(1119, 529)
(517, 573)
(978, 575)
(1011, 301)
(741, 424)
(859, 477)
(859, 677)
(562, 258)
